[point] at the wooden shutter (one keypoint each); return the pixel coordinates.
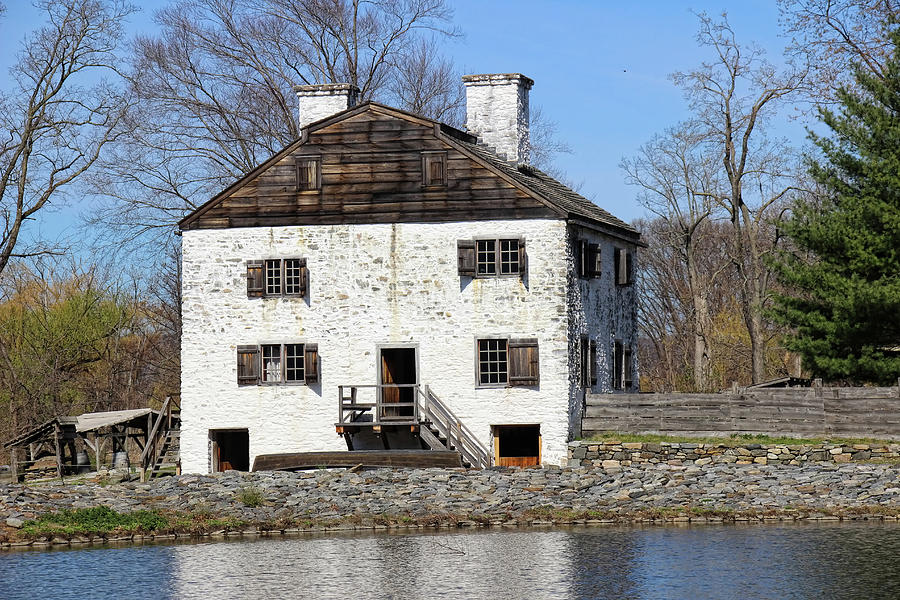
(311, 363)
(524, 367)
(592, 365)
(627, 367)
(629, 267)
(621, 266)
(248, 365)
(465, 250)
(592, 266)
(304, 279)
(580, 252)
(584, 373)
(256, 278)
(617, 366)
(308, 173)
(523, 259)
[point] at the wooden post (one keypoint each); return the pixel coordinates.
(59, 465)
(14, 463)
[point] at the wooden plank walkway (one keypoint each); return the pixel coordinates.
(298, 461)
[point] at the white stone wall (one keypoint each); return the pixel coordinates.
(604, 312)
(320, 101)
(370, 285)
(497, 112)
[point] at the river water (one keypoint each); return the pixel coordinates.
(756, 561)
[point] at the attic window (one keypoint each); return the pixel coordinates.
(434, 169)
(309, 173)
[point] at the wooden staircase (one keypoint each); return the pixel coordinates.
(163, 446)
(436, 425)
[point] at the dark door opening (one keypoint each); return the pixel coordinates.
(517, 445)
(230, 450)
(398, 366)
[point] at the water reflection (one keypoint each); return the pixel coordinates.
(839, 561)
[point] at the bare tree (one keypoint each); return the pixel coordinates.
(732, 97)
(54, 126)
(216, 99)
(679, 178)
(830, 36)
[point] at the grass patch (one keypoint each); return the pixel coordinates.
(250, 496)
(99, 519)
(732, 440)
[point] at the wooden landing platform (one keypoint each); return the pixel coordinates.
(298, 461)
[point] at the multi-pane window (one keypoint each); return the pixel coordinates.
(273, 277)
(588, 259)
(487, 257)
(277, 277)
(293, 276)
(278, 363)
(271, 363)
(504, 362)
(500, 257)
(492, 362)
(509, 257)
(293, 362)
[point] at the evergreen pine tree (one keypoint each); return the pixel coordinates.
(845, 272)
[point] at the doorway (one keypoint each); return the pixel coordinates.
(398, 367)
(517, 445)
(230, 449)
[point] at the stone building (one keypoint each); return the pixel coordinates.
(385, 272)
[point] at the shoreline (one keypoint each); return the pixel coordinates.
(451, 523)
(271, 504)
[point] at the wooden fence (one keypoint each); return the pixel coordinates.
(796, 412)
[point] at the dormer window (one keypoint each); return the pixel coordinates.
(309, 173)
(434, 169)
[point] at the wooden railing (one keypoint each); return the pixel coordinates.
(388, 412)
(458, 436)
(158, 432)
(424, 409)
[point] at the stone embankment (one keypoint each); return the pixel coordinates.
(616, 453)
(276, 502)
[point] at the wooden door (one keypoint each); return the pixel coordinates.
(398, 366)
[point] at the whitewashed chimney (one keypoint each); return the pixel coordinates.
(497, 113)
(323, 100)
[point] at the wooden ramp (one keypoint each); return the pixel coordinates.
(298, 461)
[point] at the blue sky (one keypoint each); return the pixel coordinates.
(600, 69)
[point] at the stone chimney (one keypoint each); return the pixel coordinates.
(497, 113)
(320, 101)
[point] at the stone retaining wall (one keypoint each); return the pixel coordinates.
(612, 453)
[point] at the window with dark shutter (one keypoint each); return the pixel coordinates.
(277, 277)
(627, 368)
(465, 251)
(587, 259)
(311, 363)
(594, 267)
(256, 280)
(592, 365)
(624, 265)
(493, 364)
(309, 172)
(584, 372)
(434, 169)
(247, 365)
(492, 258)
(294, 276)
(617, 364)
(524, 366)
